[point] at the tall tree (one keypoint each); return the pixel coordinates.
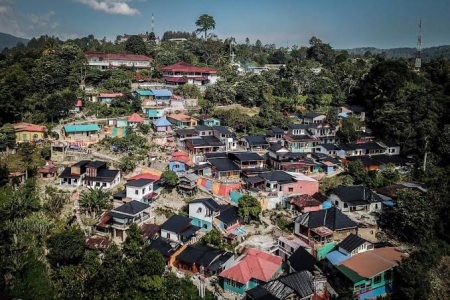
(249, 207)
(135, 45)
(94, 200)
(66, 247)
(204, 23)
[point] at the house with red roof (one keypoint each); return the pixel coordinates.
(104, 61)
(254, 267)
(135, 119)
(180, 161)
(108, 97)
(27, 132)
(181, 73)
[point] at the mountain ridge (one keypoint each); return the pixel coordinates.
(9, 40)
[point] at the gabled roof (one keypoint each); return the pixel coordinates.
(135, 118)
(228, 214)
(110, 95)
(254, 264)
(176, 223)
(255, 140)
(224, 164)
(302, 201)
(28, 127)
(332, 218)
(300, 284)
(145, 92)
(200, 255)
(81, 128)
(313, 115)
(351, 242)
(139, 182)
(222, 129)
(185, 67)
(208, 202)
(367, 264)
(111, 56)
(145, 176)
(302, 260)
(131, 208)
(203, 128)
(162, 93)
(277, 130)
(95, 164)
(104, 175)
(278, 176)
(275, 147)
(245, 156)
(180, 117)
(329, 147)
(350, 194)
(150, 230)
(298, 126)
(162, 122)
(164, 246)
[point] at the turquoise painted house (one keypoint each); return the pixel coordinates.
(80, 130)
(108, 97)
(145, 95)
(370, 274)
(251, 269)
(154, 112)
(207, 121)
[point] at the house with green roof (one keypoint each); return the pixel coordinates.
(82, 130)
(145, 95)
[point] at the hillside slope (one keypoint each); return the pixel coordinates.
(8, 40)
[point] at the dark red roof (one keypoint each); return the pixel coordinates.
(118, 56)
(184, 67)
(176, 79)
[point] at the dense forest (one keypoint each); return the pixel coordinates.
(40, 82)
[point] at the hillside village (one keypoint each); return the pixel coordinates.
(303, 173)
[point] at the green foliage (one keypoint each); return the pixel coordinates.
(46, 153)
(144, 128)
(204, 23)
(66, 247)
(412, 218)
(249, 207)
(94, 200)
(349, 129)
(329, 183)
(127, 164)
(135, 45)
(4, 175)
(170, 177)
(8, 135)
(213, 238)
(134, 243)
(188, 91)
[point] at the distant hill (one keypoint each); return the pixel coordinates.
(8, 40)
(427, 53)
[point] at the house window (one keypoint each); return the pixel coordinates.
(388, 275)
(199, 210)
(143, 190)
(234, 283)
(377, 279)
(136, 192)
(168, 236)
(291, 189)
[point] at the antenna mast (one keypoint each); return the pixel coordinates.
(418, 63)
(153, 24)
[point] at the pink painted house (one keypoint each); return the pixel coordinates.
(302, 185)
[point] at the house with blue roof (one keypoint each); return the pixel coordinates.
(162, 95)
(82, 130)
(162, 125)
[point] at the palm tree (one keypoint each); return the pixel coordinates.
(94, 200)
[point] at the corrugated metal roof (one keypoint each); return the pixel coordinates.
(81, 128)
(145, 92)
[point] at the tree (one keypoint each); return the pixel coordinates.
(213, 238)
(127, 164)
(204, 23)
(349, 129)
(4, 174)
(332, 116)
(8, 134)
(59, 104)
(412, 218)
(152, 263)
(66, 247)
(249, 207)
(135, 45)
(188, 91)
(170, 178)
(132, 247)
(94, 200)
(357, 170)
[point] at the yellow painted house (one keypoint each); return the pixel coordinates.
(26, 132)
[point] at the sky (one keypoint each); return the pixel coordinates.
(343, 24)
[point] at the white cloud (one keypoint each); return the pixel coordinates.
(43, 21)
(117, 7)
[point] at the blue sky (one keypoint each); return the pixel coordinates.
(343, 24)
